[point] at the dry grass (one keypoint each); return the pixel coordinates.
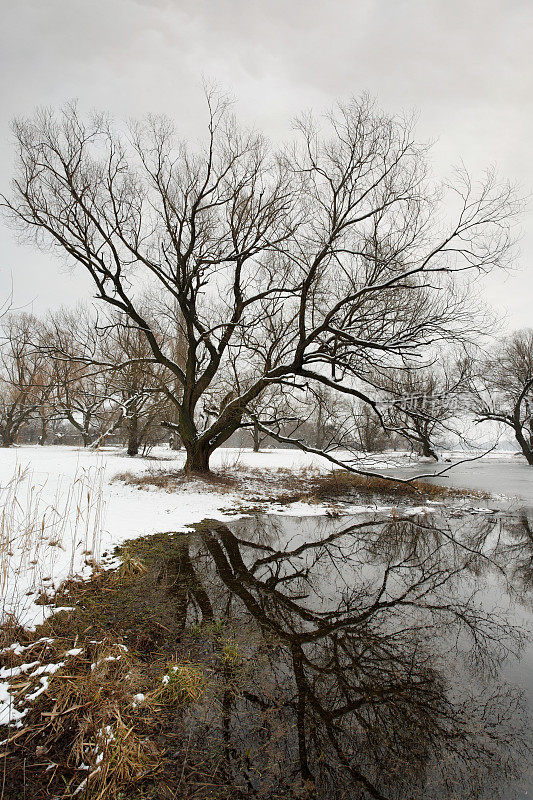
(123, 676)
(308, 484)
(176, 479)
(107, 720)
(81, 729)
(41, 535)
(182, 683)
(339, 483)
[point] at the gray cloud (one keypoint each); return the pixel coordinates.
(465, 66)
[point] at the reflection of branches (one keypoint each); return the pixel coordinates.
(364, 622)
(518, 553)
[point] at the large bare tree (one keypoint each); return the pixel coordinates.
(316, 264)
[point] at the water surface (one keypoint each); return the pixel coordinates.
(383, 655)
(510, 478)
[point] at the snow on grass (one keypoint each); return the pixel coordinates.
(60, 513)
(46, 528)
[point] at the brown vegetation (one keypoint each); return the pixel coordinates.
(109, 723)
(284, 485)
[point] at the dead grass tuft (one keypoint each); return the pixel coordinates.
(80, 727)
(181, 683)
(340, 483)
(176, 479)
(93, 728)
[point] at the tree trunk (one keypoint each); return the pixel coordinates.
(257, 440)
(44, 432)
(527, 450)
(6, 439)
(133, 435)
(319, 430)
(85, 432)
(175, 438)
(427, 450)
(175, 441)
(197, 458)
(199, 449)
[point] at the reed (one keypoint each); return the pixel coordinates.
(47, 536)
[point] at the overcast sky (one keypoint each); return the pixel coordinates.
(465, 67)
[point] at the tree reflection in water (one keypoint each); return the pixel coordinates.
(362, 664)
(517, 551)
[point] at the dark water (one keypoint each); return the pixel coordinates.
(377, 656)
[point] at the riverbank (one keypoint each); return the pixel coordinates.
(173, 673)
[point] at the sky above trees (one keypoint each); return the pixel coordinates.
(463, 66)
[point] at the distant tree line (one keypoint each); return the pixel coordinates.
(65, 378)
(73, 377)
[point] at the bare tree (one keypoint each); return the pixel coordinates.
(277, 410)
(503, 388)
(24, 382)
(328, 411)
(135, 382)
(46, 415)
(426, 401)
(315, 265)
(82, 391)
(370, 434)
